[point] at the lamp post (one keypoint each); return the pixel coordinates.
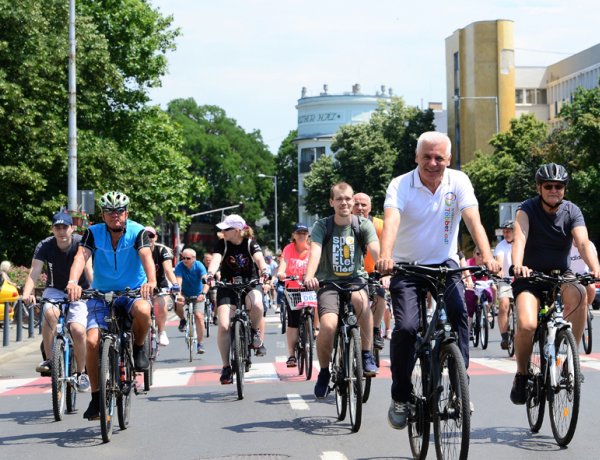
(261, 175)
(72, 158)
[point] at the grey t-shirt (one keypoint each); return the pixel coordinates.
(342, 257)
(549, 239)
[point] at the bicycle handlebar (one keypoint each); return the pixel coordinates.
(110, 295)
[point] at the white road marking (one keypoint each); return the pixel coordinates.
(12, 384)
(297, 402)
(590, 363)
(332, 455)
(501, 364)
(262, 372)
(172, 377)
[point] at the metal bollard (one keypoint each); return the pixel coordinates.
(19, 314)
(6, 338)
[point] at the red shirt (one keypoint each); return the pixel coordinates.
(295, 263)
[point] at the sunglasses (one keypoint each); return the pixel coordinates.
(187, 258)
(112, 210)
(228, 229)
(151, 236)
(553, 186)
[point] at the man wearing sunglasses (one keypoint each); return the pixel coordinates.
(544, 229)
(121, 259)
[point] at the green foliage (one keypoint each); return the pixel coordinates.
(287, 180)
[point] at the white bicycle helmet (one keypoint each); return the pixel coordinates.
(114, 200)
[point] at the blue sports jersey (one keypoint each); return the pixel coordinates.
(191, 279)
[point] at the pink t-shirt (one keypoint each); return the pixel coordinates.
(296, 264)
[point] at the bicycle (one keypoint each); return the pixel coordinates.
(302, 299)
(117, 376)
(240, 329)
(586, 339)
(151, 347)
(554, 375)
(63, 371)
(191, 336)
(481, 326)
(282, 310)
(440, 393)
(346, 364)
(373, 283)
(208, 314)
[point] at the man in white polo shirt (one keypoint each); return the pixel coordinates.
(423, 209)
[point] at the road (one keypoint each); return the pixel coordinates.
(189, 415)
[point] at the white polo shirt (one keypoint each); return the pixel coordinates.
(504, 250)
(429, 222)
(577, 263)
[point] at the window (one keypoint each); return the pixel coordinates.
(308, 156)
(530, 96)
(519, 96)
(541, 96)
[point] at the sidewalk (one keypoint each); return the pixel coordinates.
(16, 349)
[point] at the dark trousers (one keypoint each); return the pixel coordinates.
(405, 291)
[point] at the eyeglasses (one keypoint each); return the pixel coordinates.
(553, 186)
(151, 236)
(112, 210)
(186, 258)
(227, 229)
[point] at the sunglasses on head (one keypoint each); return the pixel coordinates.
(111, 210)
(553, 186)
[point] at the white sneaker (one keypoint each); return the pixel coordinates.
(163, 340)
(83, 383)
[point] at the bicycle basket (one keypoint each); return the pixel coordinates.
(301, 298)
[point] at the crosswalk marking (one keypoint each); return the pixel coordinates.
(296, 402)
(332, 455)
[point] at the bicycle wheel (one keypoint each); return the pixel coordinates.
(191, 332)
(126, 386)
(59, 379)
(564, 405)
(586, 339)
(239, 364)
(452, 414)
(308, 345)
(283, 317)
(108, 384)
(71, 388)
(338, 377)
(493, 314)
(419, 424)
(300, 350)
(536, 393)
(484, 330)
(148, 348)
(355, 379)
(207, 317)
(512, 325)
(476, 326)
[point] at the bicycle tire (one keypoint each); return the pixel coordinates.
(493, 314)
(366, 389)
(59, 377)
(355, 379)
(476, 327)
(149, 353)
(536, 393)
(484, 330)
(207, 317)
(283, 317)
(586, 339)
(309, 346)
(238, 356)
(299, 349)
(191, 332)
(419, 423)
(107, 385)
(126, 387)
(512, 323)
(71, 384)
(452, 415)
(564, 405)
(338, 375)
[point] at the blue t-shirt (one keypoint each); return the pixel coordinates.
(191, 278)
(120, 268)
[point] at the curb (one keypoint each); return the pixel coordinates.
(19, 349)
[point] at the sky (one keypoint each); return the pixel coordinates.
(252, 57)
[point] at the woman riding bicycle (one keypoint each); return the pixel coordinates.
(237, 256)
(470, 296)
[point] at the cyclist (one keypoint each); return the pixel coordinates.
(423, 209)
(362, 207)
(545, 227)
(163, 264)
(341, 259)
(294, 258)
(56, 253)
(212, 291)
(121, 259)
(502, 253)
(190, 273)
(577, 265)
(238, 256)
(470, 296)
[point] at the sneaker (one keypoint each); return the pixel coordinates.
(518, 393)
(256, 342)
(93, 410)
(370, 369)
(398, 415)
(388, 334)
(291, 362)
(226, 376)
(277, 310)
(377, 339)
(44, 367)
(504, 344)
(471, 407)
(261, 351)
(200, 348)
(83, 383)
(322, 385)
(163, 340)
(182, 324)
(140, 359)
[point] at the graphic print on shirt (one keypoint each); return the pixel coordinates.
(449, 211)
(238, 262)
(297, 267)
(342, 255)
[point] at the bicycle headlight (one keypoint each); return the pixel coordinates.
(447, 328)
(351, 320)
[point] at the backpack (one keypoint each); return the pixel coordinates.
(329, 223)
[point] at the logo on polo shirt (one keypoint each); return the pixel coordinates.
(449, 211)
(342, 255)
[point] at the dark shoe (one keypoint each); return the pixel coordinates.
(370, 368)
(140, 359)
(44, 367)
(291, 362)
(398, 415)
(182, 324)
(226, 376)
(518, 393)
(261, 351)
(504, 344)
(378, 339)
(93, 410)
(322, 385)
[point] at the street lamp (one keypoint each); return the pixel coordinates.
(261, 175)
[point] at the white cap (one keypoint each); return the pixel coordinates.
(232, 221)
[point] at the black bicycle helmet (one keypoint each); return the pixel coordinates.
(551, 172)
(508, 224)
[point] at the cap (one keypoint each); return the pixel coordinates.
(151, 230)
(508, 224)
(62, 218)
(232, 221)
(300, 228)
